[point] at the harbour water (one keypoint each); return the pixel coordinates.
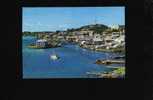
(74, 61)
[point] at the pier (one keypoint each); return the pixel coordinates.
(107, 62)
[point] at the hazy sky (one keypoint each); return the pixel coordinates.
(61, 18)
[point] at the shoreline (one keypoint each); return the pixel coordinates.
(37, 47)
(116, 73)
(111, 50)
(115, 50)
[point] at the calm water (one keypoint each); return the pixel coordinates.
(74, 61)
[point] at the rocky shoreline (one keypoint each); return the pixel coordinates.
(116, 73)
(39, 47)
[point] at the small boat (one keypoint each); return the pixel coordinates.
(54, 57)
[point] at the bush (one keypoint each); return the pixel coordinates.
(120, 71)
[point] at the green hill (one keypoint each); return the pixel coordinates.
(98, 28)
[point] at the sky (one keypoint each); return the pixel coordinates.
(62, 18)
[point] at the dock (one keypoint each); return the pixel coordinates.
(107, 62)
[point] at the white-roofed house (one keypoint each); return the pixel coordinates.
(41, 43)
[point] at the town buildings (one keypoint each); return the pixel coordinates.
(112, 37)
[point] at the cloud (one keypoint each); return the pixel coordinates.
(27, 25)
(40, 26)
(63, 26)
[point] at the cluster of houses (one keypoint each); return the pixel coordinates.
(106, 40)
(110, 38)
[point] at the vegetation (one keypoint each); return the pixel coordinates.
(53, 39)
(120, 71)
(97, 28)
(34, 46)
(114, 73)
(53, 45)
(29, 33)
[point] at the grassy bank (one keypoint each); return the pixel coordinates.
(116, 73)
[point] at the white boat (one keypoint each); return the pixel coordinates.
(54, 57)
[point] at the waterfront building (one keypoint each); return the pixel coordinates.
(97, 39)
(108, 40)
(81, 36)
(115, 35)
(91, 33)
(60, 37)
(120, 39)
(85, 32)
(87, 39)
(41, 43)
(84, 36)
(72, 38)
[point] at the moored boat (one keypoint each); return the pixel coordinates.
(54, 57)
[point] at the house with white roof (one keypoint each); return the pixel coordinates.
(41, 43)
